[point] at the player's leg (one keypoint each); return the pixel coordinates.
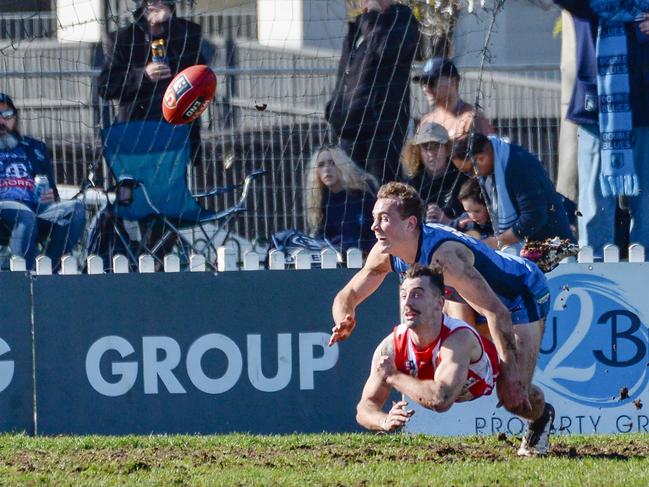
(541, 416)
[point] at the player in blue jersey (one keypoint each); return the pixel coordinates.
(509, 291)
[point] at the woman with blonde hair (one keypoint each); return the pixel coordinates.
(339, 197)
(427, 167)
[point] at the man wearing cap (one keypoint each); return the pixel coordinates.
(29, 215)
(369, 109)
(440, 81)
(427, 165)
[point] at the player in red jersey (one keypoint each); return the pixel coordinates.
(432, 358)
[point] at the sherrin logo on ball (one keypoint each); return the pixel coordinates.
(188, 94)
(181, 85)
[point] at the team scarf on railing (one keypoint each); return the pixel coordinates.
(617, 173)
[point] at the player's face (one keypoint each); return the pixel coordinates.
(420, 304)
(7, 119)
(392, 231)
(476, 210)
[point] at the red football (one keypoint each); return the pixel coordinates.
(188, 94)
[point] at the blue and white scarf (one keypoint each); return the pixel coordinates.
(503, 213)
(617, 173)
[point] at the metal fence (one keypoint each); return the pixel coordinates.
(268, 113)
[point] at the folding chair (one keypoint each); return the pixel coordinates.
(149, 161)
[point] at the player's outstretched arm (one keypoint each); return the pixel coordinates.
(440, 394)
(359, 288)
(369, 411)
(457, 261)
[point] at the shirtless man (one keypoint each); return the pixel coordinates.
(432, 358)
(510, 292)
(440, 81)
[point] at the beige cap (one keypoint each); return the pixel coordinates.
(430, 132)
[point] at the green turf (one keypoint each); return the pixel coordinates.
(358, 459)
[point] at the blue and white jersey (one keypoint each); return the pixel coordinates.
(19, 166)
(518, 282)
(17, 176)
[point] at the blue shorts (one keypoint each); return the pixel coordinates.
(531, 305)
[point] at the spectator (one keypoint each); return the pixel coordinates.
(610, 105)
(137, 77)
(29, 215)
(521, 198)
(369, 110)
(428, 169)
(339, 200)
(440, 81)
(475, 221)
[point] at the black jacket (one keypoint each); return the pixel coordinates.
(372, 93)
(126, 53)
(442, 190)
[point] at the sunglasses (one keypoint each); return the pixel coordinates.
(8, 114)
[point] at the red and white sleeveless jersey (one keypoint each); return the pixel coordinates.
(482, 375)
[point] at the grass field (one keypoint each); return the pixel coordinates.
(355, 459)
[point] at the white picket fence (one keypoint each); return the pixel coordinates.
(227, 261)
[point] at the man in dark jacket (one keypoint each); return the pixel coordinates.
(522, 200)
(370, 107)
(137, 75)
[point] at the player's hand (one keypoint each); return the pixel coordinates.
(512, 392)
(157, 71)
(386, 367)
(342, 330)
(397, 417)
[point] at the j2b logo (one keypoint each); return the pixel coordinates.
(594, 344)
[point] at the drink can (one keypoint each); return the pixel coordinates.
(158, 51)
(42, 185)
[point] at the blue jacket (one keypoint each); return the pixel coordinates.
(19, 166)
(541, 211)
(583, 107)
(348, 220)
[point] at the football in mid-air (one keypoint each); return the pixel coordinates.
(188, 94)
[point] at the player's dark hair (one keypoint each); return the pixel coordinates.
(409, 201)
(432, 272)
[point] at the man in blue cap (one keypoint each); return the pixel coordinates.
(440, 81)
(30, 214)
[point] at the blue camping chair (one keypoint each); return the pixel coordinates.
(149, 161)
